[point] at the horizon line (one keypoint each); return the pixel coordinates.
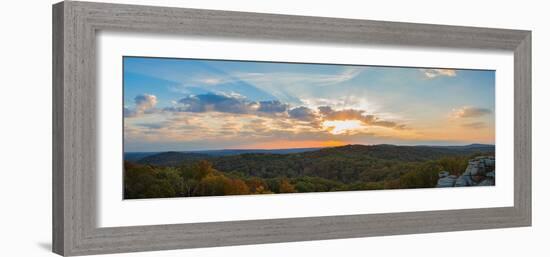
(296, 148)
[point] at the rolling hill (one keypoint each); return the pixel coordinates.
(345, 163)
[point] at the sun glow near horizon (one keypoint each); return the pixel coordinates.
(290, 144)
(338, 127)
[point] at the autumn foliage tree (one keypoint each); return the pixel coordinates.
(285, 186)
(258, 186)
(267, 174)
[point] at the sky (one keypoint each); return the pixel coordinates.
(193, 104)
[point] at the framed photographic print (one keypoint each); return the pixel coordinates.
(182, 128)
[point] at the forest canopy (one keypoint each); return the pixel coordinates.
(346, 168)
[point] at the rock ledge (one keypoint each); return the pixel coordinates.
(480, 172)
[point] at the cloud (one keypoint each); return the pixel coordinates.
(227, 103)
(345, 75)
(470, 112)
(144, 103)
(346, 114)
(128, 113)
(290, 78)
(273, 106)
(302, 113)
(211, 103)
(305, 117)
(277, 84)
(474, 125)
(433, 73)
(152, 125)
(211, 80)
(273, 85)
(213, 129)
(262, 118)
(351, 114)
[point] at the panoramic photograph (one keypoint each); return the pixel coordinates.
(197, 127)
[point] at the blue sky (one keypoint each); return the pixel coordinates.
(185, 104)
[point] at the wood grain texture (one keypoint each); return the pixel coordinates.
(58, 229)
(522, 128)
(75, 25)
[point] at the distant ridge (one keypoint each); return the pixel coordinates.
(174, 158)
(467, 146)
(226, 152)
(136, 156)
(381, 151)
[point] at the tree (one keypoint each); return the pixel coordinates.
(173, 177)
(454, 165)
(235, 187)
(285, 186)
(137, 179)
(257, 186)
(392, 184)
(424, 176)
(211, 185)
(147, 182)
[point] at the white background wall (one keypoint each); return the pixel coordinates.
(25, 128)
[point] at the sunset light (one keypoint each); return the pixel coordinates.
(190, 105)
(338, 127)
(197, 127)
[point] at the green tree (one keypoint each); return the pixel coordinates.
(424, 176)
(147, 182)
(454, 164)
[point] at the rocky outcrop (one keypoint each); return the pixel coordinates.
(480, 172)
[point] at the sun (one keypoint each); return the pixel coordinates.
(338, 127)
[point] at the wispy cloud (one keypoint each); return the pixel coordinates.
(475, 125)
(262, 79)
(287, 85)
(434, 73)
(281, 85)
(345, 75)
(470, 112)
(300, 77)
(211, 80)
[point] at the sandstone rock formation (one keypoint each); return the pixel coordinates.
(480, 172)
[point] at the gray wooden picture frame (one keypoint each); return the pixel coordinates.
(75, 25)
